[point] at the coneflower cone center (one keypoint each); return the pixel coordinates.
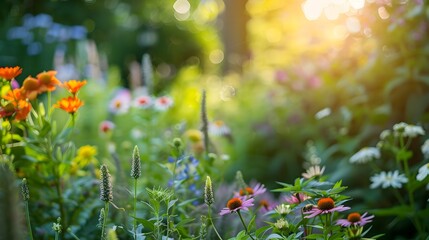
(325, 204)
(234, 203)
(246, 191)
(354, 217)
(264, 203)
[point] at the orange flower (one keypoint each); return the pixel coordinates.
(22, 110)
(19, 109)
(73, 86)
(10, 73)
(14, 95)
(48, 81)
(31, 87)
(70, 104)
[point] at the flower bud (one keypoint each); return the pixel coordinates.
(136, 164)
(105, 185)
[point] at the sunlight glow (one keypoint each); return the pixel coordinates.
(331, 8)
(357, 4)
(382, 12)
(182, 6)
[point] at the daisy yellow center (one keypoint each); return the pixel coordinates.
(118, 104)
(354, 217)
(246, 191)
(219, 123)
(234, 203)
(325, 204)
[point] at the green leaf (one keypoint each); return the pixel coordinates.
(146, 223)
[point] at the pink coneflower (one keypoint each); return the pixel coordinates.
(106, 126)
(296, 198)
(265, 205)
(142, 102)
(258, 189)
(163, 103)
(325, 206)
(236, 204)
(355, 219)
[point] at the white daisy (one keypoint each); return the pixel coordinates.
(313, 171)
(423, 172)
(408, 130)
(365, 155)
(425, 148)
(218, 128)
(163, 103)
(389, 179)
(121, 102)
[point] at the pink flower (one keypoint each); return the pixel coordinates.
(163, 103)
(325, 206)
(236, 204)
(296, 198)
(355, 219)
(106, 126)
(258, 189)
(143, 102)
(121, 102)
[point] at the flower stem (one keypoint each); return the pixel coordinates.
(211, 222)
(245, 227)
(27, 212)
(106, 212)
(72, 234)
(135, 208)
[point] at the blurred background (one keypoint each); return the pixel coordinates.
(292, 81)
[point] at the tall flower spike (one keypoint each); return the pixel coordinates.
(205, 122)
(105, 185)
(24, 190)
(136, 164)
(208, 192)
(147, 73)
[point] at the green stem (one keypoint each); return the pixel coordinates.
(245, 227)
(61, 202)
(106, 212)
(135, 208)
(49, 104)
(27, 212)
(72, 234)
(211, 222)
(56, 235)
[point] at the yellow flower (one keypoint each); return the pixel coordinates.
(194, 135)
(85, 155)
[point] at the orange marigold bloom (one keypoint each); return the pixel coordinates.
(70, 104)
(48, 81)
(73, 86)
(22, 110)
(14, 95)
(10, 73)
(31, 87)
